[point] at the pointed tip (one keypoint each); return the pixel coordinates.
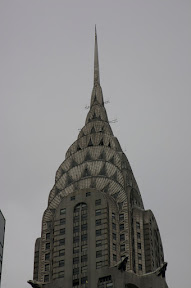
(95, 31)
(96, 61)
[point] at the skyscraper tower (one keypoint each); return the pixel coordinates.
(95, 230)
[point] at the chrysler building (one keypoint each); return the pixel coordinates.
(95, 230)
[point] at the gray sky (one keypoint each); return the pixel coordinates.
(46, 78)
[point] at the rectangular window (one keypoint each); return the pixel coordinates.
(114, 236)
(121, 227)
(60, 274)
(98, 232)
(84, 280)
(139, 256)
(84, 258)
(84, 227)
(84, 269)
(97, 202)
(75, 282)
(114, 246)
(140, 267)
(47, 246)
(76, 250)
(98, 243)
(75, 260)
(47, 267)
(47, 256)
(84, 217)
(76, 219)
(114, 226)
(62, 241)
(62, 231)
(121, 217)
(62, 211)
(138, 225)
(62, 221)
(84, 237)
(75, 271)
(138, 235)
(76, 229)
(122, 237)
(122, 248)
(62, 252)
(98, 253)
(114, 257)
(139, 245)
(61, 263)
(46, 278)
(98, 222)
(98, 264)
(98, 212)
(72, 198)
(47, 236)
(113, 216)
(76, 239)
(88, 194)
(84, 248)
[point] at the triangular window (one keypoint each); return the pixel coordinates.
(90, 143)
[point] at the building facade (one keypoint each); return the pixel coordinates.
(95, 230)
(2, 233)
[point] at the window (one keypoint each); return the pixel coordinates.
(98, 243)
(62, 252)
(98, 253)
(138, 225)
(61, 263)
(114, 246)
(62, 231)
(76, 229)
(47, 246)
(138, 235)
(98, 222)
(97, 212)
(47, 256)
(75, 271)
(139, 256)
(84, 280)
(122, 237)
(114, 226)
(47, 267)
(63, 211)
(76, 250)
(84, 258)
(110, 285)
(84, 227)
(121, 217)
(114, 236)
(76, 219)
(84, 217)
(113, 216)
(76, 282)
(97, 202)
(62, 241)
(139, 245)
(84, 248)
(88, 194)
(122, 248)
(76, 239)
(60, 274)
(98, 232)
(75, 260)
(47, 236)
(84, 269)
(140, 267)
(121, 227)
(72, 198)
(98, 264)
(114, 257)
(62, 221)
(46, 278)
(84, 237)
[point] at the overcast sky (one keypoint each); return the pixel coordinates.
(46, 78)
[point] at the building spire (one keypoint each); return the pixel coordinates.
(96, 61)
